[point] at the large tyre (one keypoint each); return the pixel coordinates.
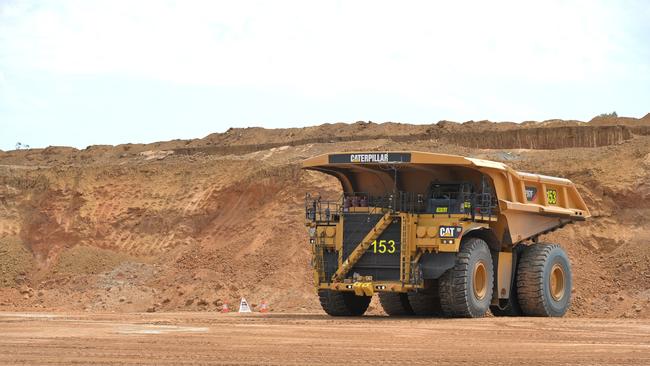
(339, 303)
(426, 302)
(395, 303)
(466, 289)
(544, 280)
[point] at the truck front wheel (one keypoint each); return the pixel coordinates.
(395, 304)
(426, 302)
(339, 303)
(466, 289)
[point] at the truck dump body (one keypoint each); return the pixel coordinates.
(405, 217)
(554, 201)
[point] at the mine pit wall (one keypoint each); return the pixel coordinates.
(543, 138)
(641, 130)
(518, 138)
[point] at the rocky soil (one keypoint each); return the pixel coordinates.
(191, 224)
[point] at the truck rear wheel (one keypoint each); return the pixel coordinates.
(466, 289)
(395, 303)
(544, 280)
(340, 303)
(426, 302)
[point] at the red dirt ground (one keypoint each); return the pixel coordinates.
(315, 339)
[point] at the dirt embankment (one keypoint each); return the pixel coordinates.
(551, 134)
(484, 135)
(544, 138)
(188, 225)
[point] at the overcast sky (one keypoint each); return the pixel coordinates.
(106, 72)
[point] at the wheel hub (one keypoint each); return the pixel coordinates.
(557, 282)
(480, 280)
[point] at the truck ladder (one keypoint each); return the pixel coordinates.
(356, 254)
(318, 261)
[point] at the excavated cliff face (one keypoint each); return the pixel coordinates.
(543, 138)
(186, 225)
(553, 134)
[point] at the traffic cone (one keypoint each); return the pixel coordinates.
(264, 307)
(224, 307)
(244, 307)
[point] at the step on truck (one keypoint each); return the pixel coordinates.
(439, 235)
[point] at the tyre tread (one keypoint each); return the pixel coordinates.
(454, 292)
(338, 303)
(530, 279)
(395, 303)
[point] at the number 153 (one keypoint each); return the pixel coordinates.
(383, 246)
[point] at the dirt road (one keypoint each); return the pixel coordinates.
(297, 339)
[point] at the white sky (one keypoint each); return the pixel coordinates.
(106, 72)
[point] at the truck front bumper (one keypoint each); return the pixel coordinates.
(369, 288)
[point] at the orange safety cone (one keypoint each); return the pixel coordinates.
(224, 307)
(264, 307)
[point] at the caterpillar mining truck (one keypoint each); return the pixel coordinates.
(439, 235)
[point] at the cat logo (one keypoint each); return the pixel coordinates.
(531, 193)
(449, 231)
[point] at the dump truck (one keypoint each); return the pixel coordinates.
(439, 235)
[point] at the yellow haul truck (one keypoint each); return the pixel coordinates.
(442, 235)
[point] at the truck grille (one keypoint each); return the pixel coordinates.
(381, 266)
